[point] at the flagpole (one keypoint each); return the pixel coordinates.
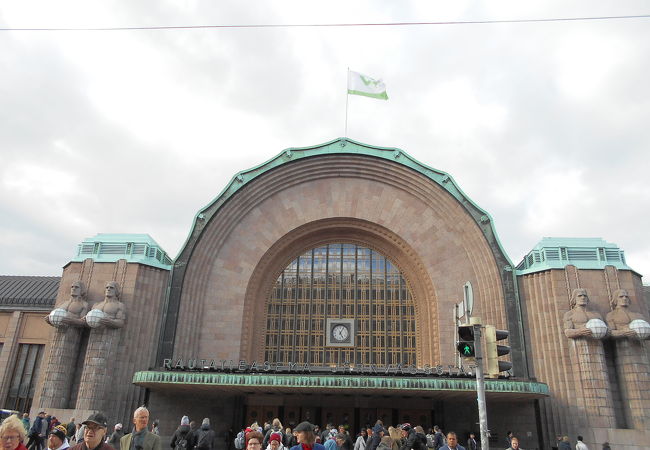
(347, 98)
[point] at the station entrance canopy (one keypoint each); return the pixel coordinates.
(440, 387)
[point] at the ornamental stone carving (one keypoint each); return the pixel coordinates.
(579, 322)
(109, 313)
(71, 312)
(622, 322)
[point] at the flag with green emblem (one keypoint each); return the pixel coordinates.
(359, 84)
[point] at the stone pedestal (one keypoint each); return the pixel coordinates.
(633, 371)
(60, 368)
(97, 379)
(592, 382)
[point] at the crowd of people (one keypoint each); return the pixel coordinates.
(92, 434)
(331, 437)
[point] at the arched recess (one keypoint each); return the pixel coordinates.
(345, 230)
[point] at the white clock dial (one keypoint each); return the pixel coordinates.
(340, 332)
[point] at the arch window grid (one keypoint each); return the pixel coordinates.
(341, 281)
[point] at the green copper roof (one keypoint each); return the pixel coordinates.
(330, 383)
(345, 146)
(137, 248)
(584, 253)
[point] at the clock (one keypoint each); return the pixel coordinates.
(340, 333)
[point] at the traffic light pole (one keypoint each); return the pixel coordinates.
(480, 389)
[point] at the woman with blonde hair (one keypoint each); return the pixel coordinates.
(395, 437)
(12, 434)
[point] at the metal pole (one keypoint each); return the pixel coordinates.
(480, 389)
(347, 98)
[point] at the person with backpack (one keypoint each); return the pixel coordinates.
(240, 440)
(182, 438)
(204, 436)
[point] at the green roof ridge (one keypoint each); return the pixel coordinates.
(344, 146)
(135, 248)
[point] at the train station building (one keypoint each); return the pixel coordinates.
(325, 285)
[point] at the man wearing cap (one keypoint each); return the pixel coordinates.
(141, 438)
(306, 437)
(58, 440)
(94, 434)
(412, 440)
(38, 432)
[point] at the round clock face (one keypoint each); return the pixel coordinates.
(340, 333)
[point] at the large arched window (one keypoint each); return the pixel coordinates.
(341, 281)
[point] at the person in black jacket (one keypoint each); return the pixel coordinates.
(378, 432)
(412, 439)
(182, 438)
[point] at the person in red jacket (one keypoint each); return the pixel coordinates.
(12, 434)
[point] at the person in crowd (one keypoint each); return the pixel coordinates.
(411, 439)
(386, 443)
(369, 436)
(395, 438)
(452, 442)
(254, 440)
(54, 422)
(70, 428)
(38, 432)
(154, 427)
(182, 438)
(331, 444)
(514, 443)
(79, 435)
(204, 437)
(360, 443)
(116, 435)
(581, 445)
(58, 438)
(290, 439)
(508, 438)
(347, 441)
(564, 443)
(438, 438)
(94, 434)
(141, 438)
(275, 442)
(12, 434)
(378, 432)
(306, 437)
(275, 427)
(340, 439)
(25, 420)
(471, 442)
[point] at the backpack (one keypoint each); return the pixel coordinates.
(240, 441)
(181, 443)
(202, 442)
(430, 442)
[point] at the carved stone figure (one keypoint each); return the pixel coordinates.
(75, 308)
(575, 320)
(114, 310)
(618, 320)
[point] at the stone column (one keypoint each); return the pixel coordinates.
(8, 354)
(633, 372)
(96, 384)
(60, 368)
(590, 370)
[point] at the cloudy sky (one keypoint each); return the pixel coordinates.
(544, 125)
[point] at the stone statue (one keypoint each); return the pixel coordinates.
(618, 320)
(114, 311)
(576, 319)
(75, 308)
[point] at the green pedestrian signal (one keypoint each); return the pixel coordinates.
(465, 344)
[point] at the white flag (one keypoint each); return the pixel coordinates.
(359, 84)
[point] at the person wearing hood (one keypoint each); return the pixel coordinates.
(276, 427)
(116, 435)
(204, 437)
(182, 438)
(58, 438)
(275, 442)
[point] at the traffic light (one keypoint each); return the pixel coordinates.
(493, 351)
(465, 344)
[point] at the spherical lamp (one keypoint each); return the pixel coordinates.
(641, 328)
(598, 328)
(56, 316)
(93, 318)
